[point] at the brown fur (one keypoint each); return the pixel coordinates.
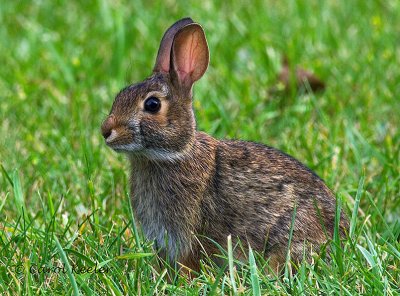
(189, 188)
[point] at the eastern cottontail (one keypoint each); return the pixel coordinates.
(189, 189)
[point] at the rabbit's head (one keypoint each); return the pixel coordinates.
(155, 117)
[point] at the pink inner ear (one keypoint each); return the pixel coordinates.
(190, 54)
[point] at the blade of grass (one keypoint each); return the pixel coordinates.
(64, 259)
(134, 255)
(253, 271)
(162, 275)
(381, 216)
(336, 238)
(367, 255)
(353, 221)
(6, 175)
(287, 262)
(230, 261)
(18, 196)
(4, 202)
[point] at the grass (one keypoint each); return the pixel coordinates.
(64, 195)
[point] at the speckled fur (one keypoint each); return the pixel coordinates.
(186, 185)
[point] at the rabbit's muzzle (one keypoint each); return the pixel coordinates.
(119, 136)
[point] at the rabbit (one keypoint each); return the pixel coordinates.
(191, 191)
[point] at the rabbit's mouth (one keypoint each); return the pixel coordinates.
(119, 145)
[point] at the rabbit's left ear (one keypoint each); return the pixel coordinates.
(189, 55)
(164, 52)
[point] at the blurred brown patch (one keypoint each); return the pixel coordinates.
(300, 79)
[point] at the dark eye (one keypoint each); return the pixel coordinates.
(152, 104)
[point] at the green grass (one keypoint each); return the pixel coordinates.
(64, 194)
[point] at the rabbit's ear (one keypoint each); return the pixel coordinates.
(189, 55)
(164, 52)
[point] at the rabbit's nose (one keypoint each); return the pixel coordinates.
(106, 133)
(107, 126)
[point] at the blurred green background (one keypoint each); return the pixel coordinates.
(62, 63)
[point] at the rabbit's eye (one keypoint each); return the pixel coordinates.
(152, 104)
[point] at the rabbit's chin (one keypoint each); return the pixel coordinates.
(127, 148)
(136, 150)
